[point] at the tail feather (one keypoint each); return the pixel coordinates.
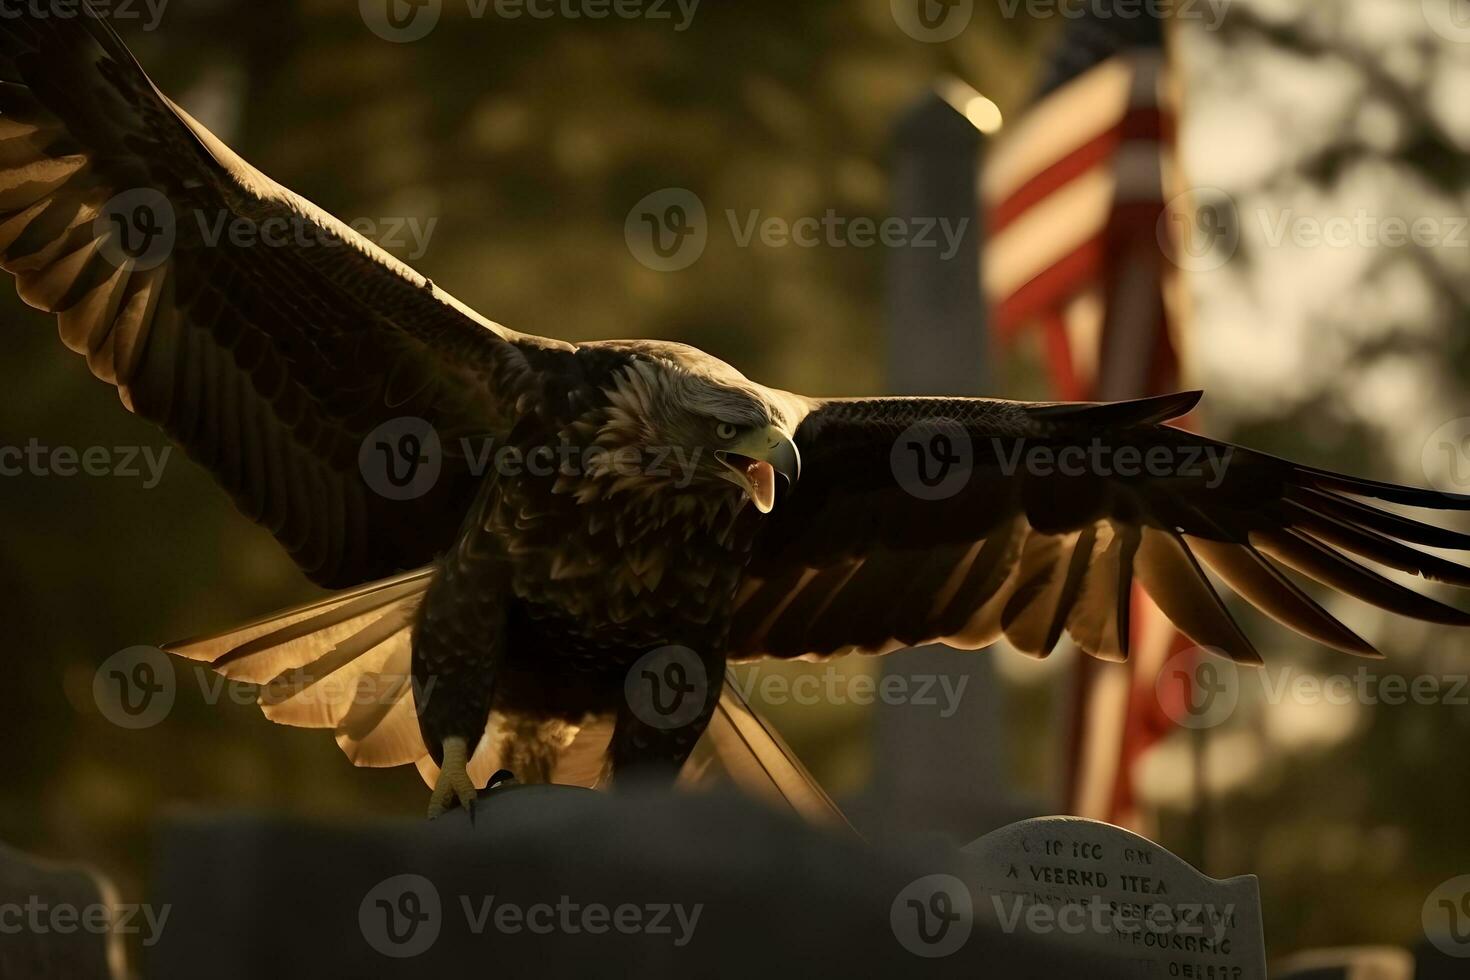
(754, 757)
(366, 669)
(221, 649)
(345, 663)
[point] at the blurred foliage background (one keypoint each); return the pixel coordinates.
(527, 141)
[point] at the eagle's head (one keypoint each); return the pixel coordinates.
(680, 419)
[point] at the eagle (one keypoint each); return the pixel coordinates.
(543, 554)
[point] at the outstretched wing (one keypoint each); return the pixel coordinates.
(1046, 516)
(262, 334)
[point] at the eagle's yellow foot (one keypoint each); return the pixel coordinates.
(454, 782)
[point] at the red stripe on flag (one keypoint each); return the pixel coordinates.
(1148, 722)
(1045, 292)
(1059, 357)
(1138, 124)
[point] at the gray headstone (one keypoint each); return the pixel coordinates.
(710, 885)
(1090, 887)
(56, 921)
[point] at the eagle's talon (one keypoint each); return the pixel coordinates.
(453, 785)
(502, 777)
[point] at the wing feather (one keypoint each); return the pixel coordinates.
(272, 363)
(1034, 553)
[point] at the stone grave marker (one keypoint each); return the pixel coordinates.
(1089, 886)
(57, 922)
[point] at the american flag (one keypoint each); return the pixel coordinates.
(1075, 196)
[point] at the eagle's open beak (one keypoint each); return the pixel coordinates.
(754, 461)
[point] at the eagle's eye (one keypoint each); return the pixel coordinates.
(726, 431)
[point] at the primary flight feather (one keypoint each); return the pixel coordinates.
(790, 526)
